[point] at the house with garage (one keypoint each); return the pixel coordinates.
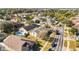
(75, 22)
(40, 32)
(16, 43)
(23, 31)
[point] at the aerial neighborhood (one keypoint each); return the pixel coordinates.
(39, 29)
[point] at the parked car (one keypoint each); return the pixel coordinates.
(57, 32)
(50, 49)
(54, 44)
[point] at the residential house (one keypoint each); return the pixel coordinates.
(21, 32)
(22, 16)
(17, 43)
(35, 19)
(25, 30)
(40, 32)
(13, 18)
(17, 24)
(75, 21)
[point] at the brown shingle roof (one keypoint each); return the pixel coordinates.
(75, 20)
(76, 26)
(14, 42)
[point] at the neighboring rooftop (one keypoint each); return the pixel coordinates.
(75, 21)
(41, 29)
(16, 43)
(41, 32)
(30, 27)
(17, 24)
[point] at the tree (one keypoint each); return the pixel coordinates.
(8, 28)
(29, 17)
(37, 21)
(18, 19)
(43, 19)
(47, 26)
(1, 17)
(72, 31)
(1, 26)
(67, 22)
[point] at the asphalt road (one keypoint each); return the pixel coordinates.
(60, 45)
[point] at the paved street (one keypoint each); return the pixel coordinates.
(60, 39)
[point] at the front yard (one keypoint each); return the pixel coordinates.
(77, 43)
(47, 47)
(41, 42)
(72, 44)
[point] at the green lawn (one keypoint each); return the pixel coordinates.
(77, 43)
(72, 44)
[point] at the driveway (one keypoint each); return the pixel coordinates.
(44, 46)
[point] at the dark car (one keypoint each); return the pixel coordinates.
(57, 32)
(54, 45)
(50, 49)
(49, 32)
(77, 34)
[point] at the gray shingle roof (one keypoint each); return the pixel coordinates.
(31, 27)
